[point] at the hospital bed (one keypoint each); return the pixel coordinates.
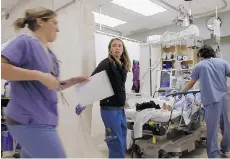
(165, 132)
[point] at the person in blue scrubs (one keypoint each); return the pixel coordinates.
(212, 73)
(116, 65)
(33, 71)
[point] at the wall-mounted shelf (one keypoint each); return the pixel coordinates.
(179, 57)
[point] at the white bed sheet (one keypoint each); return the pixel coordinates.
(156, 115)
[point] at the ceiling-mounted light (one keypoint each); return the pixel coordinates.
(107, 20)
(144, 7)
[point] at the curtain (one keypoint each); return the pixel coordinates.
(74, 47)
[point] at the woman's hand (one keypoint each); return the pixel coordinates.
(79, 79)
(48, 80)
(72, 81)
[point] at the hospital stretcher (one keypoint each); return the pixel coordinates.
(167, 133)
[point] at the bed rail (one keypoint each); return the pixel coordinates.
(183, 93)
(175, 94)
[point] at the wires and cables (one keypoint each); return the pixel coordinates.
(158, 61)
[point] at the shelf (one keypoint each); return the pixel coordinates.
(185, 69)
(176, 70)
(169, 60)
(185, 60)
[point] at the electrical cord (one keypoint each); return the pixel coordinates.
(151, 68)
(157, 63)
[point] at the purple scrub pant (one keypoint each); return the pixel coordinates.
(37, 141)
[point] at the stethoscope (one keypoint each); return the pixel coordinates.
(52, 64)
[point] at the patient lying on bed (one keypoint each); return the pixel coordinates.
(180, 101)
(160, 115)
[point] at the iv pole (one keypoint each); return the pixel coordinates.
(217, 35)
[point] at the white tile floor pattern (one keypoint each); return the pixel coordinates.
(197, 153)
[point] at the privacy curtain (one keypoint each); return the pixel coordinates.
(75, 49)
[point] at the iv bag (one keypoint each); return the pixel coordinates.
(216, 25)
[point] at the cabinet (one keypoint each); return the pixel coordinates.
(178, 58)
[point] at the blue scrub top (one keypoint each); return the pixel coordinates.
(31, 102)
(212, 74)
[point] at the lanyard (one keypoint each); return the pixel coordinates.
(48, 54)
(64, 101)
(52, 65)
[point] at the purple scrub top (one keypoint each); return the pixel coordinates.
(31, 102)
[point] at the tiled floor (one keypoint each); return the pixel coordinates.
(198, 153)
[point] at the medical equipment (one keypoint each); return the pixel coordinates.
(171, 60)
(217, 33)
(163, 42)
(166, 132)
(183, 18)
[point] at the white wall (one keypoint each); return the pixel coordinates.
(145, 65)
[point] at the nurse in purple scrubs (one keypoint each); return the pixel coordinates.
(33, 71)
